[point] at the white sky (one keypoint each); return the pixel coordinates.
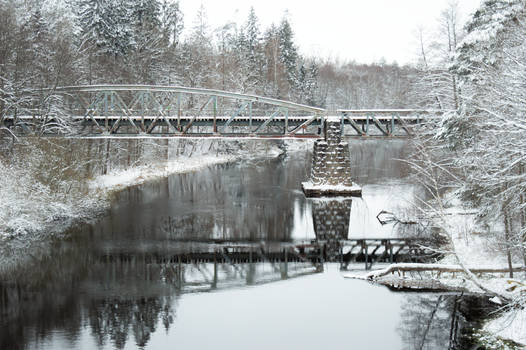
(363, 30)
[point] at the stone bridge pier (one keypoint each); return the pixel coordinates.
(331, 165)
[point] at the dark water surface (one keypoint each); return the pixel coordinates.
(110, 286)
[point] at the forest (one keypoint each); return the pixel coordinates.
(141, 42)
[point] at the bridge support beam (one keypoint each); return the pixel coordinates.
(331, 165)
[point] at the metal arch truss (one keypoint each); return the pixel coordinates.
(131, 110)
(181, 111)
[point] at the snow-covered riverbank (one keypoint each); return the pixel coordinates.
(477, 248)
(32, 213)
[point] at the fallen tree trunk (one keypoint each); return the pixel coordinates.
(436, 268)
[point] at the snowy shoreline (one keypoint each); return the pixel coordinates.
(119, 180)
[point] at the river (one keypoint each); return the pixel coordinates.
(112, 284)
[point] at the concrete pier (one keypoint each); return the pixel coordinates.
(331, 165)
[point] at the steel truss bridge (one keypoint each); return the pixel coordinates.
(172, 111)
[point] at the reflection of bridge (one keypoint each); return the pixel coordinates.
(179, 111)
(313, 253)
(202, 271)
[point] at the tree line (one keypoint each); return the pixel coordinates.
(44, 44)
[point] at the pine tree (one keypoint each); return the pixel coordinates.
(147, 38)
(41, 48)
(105, 25)
(171, 26)
(201, 31)
(310, 86)
(145, 16)
(486, 31)
(288, 54)
(172, 22)
(252, 36)
(252, 54)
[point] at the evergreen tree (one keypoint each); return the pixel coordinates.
(252, 36)
(41, 48)
(252, 54)
(288, 54)
(147, 38)
(171, 26)
(201, 32)
(105, 25)
(172, 22)
(145, 16)
(309, 86)
(486, 31)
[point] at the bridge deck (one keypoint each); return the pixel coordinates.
(203, 126)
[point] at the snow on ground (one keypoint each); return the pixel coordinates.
(28, 206)
(120, 179)
(326, 187)
(299, 145)
(510, 325)
(137, 175)
(476, 247)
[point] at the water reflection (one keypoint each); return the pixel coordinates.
(112, 320)
(258, 201)
(242, 202)
(114, 285)
(146, 312)
(438, 321)
(331, 224)
(118, 298)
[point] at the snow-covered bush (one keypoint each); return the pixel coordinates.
(43, 184)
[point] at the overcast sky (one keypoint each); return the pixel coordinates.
(363, 30)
